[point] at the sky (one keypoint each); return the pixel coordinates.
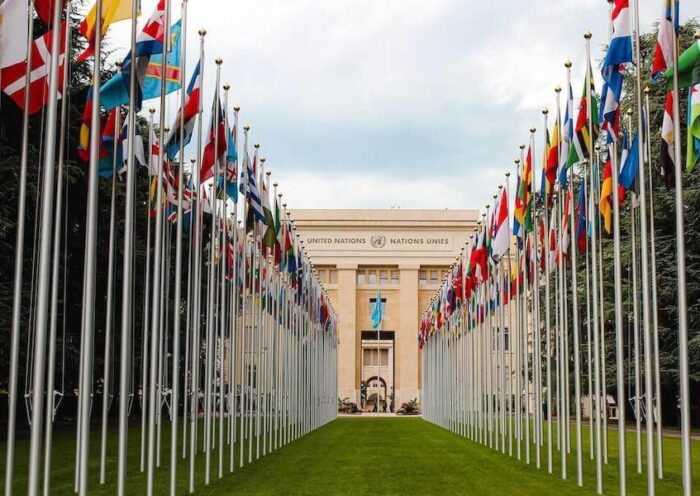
(391, 103)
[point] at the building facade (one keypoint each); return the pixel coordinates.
(400, 256)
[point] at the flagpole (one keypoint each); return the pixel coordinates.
(106, 373)
(654, 294)
(646, 318)
(235, 298)
(58, 224)
(561, 327)
(548, 327)
(619, 338)
(197, 277)
(85, 388)
(19, 265)
(154, 403)
(686, 460)
(175, 388)
(127, 286)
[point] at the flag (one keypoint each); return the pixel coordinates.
(565, 225)
(693, 141)
(139, 151)
(154, 72)
(630, 166)
(14, 31)
(154, 155)
(610, 101)
(582, 140)
(193, 106)
(663, 53)
(110, 143)
(231, 163)
(518, 214)
(112, 11)
(250, 191)
(44, 9)
(667, 137)
(523, 207)
(216, 138)
(501, 240)
(606, 201)
(269, 236)
(551, 165)
(13, 77)
(688, 67)
(566, 139)
(279, 241)
(620, 48)
(377, 311)
(148, 43)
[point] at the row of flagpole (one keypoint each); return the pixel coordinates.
(260, 335)
(504, 395)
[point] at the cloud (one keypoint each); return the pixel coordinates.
(371, 103)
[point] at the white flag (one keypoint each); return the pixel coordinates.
(14, 30)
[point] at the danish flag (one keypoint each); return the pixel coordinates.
(13, 76)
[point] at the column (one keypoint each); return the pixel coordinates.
(406, 343)
(347, 285)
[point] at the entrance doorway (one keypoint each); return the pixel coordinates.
(378, 371)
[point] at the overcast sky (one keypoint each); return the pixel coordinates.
(392, 103)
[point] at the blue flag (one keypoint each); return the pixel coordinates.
(377, 312)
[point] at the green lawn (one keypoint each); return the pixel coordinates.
(358, 456)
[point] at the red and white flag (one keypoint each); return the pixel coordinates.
(501, 240)
(13, 77)
(663, 53)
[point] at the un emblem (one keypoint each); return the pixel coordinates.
(378, 241)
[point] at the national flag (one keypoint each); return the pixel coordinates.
(693, 141)
(620, 47)
(518, 213)
(667, 140)
(249, 188)
(553, 252)
(173, 63)
(148, 44)
(566, 139)
(377, 311)
(688, 67)
(269, 235)
(582, 140)
(193, 107)
(231, 163)
(14, 31)
(110, 143)
(154, 155)
(606, 201)
(13, 77)
(280, 237)
(215, 146)
(501, 239)
(525, 192)
(610, 101)
(139, 151)
(112, 11)
(565, 239)
(630, 166)
(663, 53)
(551, 165)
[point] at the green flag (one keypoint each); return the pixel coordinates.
(688, 68)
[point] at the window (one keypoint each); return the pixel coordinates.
(383, 277)
(372, 278)
(322, 276)
(333, 276)
(422, 278)
(370, 358)
(372, 302)
(395, 276)
(433, 277)
(360, 277)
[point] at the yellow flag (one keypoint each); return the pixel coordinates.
(112, 11)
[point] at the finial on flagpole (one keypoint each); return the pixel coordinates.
(545, 111)
(262, 159)
(521, 146)
(236, 108)
(532, 130)
(151, 111)
(267, 173)
(256, 145)
(629, 112)
(246, 128)
(275, 185)
(227, 87)
(588, 35)
(647, 90)
(517, 161)
(218, 61)
(567, 64)
(508, 173)
(202, 32)
(557, 89)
